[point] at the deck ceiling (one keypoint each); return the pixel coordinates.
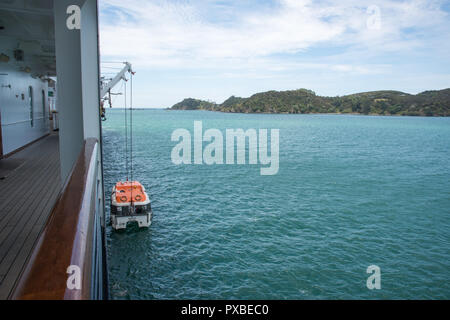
(31, 24)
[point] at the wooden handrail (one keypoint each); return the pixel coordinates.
(67, 238)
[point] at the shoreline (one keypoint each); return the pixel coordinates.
(313, 113)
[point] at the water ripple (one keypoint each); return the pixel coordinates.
(351, 192)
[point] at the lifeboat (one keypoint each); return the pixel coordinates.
(130, 203)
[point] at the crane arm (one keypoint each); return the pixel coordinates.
(120, 76)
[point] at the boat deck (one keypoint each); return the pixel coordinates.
(30, 183)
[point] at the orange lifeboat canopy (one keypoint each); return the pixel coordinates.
(127, 192)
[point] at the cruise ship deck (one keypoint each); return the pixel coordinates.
(30, 182)
(52, 216)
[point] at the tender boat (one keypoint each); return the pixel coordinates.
(130, 203)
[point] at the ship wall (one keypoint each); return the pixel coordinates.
(21, 124)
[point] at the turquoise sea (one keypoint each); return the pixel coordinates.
(352, 191)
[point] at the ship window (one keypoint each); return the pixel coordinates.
(43, 104)
(31, 102)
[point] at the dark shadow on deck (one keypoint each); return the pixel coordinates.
(27, 196)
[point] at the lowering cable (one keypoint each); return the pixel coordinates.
(129, 200)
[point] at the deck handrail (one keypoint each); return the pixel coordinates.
(69, 239)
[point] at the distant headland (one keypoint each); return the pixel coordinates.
(303, 101)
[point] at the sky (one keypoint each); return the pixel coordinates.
(213, 49)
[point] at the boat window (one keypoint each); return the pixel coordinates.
(43, 104)
(30, 100)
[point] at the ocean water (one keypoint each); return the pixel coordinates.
(352, 191)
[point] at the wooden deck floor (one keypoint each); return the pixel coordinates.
(27, 196)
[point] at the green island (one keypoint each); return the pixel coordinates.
(429, 103)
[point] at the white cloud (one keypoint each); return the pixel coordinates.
(166, 34)
(174, 34)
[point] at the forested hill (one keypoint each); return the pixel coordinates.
(428, 103)
(194, 104)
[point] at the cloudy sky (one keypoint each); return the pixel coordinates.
(212, 49)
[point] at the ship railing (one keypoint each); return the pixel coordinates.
(68, 261)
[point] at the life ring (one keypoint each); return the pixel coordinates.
(123, 199)
(138, 198)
